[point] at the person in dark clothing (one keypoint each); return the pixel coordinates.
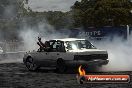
(47, 46)
(41, 43)
(43, 46)
(40, 47)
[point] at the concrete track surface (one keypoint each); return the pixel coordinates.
(15, 75)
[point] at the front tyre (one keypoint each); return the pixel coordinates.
(31, 66)
(61, 66)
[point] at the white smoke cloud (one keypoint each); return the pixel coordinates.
(119, 52)
(51, 5)
(29, 37)
(45, 31)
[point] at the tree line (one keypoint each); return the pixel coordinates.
(86, 13)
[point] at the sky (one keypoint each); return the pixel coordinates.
(51, 5)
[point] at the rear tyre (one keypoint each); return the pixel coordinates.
(31, 66)
(61, 66)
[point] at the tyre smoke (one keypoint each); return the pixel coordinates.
(44, 30)
(120, 54)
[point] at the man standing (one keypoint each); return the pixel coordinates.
(41, 44)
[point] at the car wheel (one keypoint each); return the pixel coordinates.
(61, 66)
(31, 65)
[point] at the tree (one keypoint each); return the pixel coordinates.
(100, 13)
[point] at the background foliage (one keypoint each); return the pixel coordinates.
(87, 13)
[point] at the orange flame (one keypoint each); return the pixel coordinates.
(81, 71)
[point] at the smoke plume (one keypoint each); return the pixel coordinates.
(119, 52)
(44, 30)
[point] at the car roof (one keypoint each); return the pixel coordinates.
(68, 39)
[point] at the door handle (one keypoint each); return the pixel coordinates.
(46, 53)
(57, 53)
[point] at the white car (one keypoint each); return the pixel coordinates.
(66, 52)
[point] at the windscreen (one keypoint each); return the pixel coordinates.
(79, 44)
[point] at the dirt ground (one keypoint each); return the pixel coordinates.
(15, 75)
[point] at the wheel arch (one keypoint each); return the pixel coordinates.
(25, 58)
(59, 59)
(60, 65)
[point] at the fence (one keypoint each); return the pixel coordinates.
(12, 46)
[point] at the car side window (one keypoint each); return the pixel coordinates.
(57, 46)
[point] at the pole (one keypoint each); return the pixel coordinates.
(128, 31)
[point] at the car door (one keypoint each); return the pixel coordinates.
(42, 58)
(52, 55)
(55, 52)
